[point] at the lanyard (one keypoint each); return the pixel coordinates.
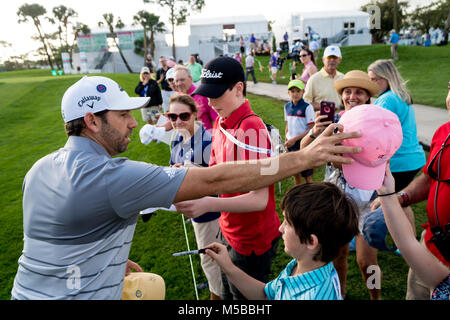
(243, 145)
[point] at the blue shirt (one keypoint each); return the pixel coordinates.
(197, 150)
(394, 38)
(273, 61)
(410, 156)
(319, 284)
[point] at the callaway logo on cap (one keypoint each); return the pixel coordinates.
(218, 75)
(95, 94)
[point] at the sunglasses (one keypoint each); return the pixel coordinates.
(304, 55)
(184, 116)
(170, 80)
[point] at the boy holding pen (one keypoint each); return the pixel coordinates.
(318, 220)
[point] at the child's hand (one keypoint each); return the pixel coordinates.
(388, 182)
(289, 143)
(219, 253)
(193, 208)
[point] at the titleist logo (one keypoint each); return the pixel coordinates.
(209, 74)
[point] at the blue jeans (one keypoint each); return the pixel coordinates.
(255, 266)
(252, 72)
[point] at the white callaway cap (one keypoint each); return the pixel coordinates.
(95, 94)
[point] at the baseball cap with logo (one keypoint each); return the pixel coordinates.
(332, 51)
(218, 75)
(381, 137)
(296, 83)
(143, 286)
(95, 94)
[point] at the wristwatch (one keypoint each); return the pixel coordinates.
(405, 198)
(311, 134)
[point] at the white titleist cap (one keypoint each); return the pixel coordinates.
(95, 94)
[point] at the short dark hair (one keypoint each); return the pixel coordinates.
(244, 90)
(75, 127)
(322, 209)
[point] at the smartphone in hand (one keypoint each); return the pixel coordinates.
(327, 108)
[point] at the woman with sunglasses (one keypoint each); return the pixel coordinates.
(394, 96)
(191, 146)
(307, 58)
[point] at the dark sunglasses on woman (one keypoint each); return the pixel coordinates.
(184, 116)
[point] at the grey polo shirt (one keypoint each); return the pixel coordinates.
(80, 209)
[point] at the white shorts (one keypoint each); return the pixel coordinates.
(166, 98)
(274, 70)
(149, 114)
(206, 233)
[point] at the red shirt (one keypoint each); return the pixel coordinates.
(443, 199)
(246, 232)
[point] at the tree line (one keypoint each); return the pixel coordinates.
(68, 28)
(394, 15)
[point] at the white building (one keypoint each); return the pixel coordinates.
(346, 28)
(223, 33)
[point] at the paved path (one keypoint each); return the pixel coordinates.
(428, 118)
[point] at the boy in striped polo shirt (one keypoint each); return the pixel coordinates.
(319, 220)
(299, 116)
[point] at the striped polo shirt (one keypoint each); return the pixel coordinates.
(298, 116)
(319, 284)
(80, 209)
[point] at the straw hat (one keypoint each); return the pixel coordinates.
(143, 286)
(358, 79)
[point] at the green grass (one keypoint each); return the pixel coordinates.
(32, 127)
(425, 69)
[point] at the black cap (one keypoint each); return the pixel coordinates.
(217, 76)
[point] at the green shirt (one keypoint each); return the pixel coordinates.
(196, 71)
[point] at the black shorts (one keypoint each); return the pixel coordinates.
(307, 172)
(403, 178)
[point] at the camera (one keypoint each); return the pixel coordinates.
(441, 238)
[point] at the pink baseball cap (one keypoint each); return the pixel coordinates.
(382, 135)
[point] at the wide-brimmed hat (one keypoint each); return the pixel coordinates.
(358, 79)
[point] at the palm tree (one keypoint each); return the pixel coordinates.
(109, 19)
(149, 22)
(178, 12)
(34, 11)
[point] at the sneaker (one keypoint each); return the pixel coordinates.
(188, 220)
(274, 82)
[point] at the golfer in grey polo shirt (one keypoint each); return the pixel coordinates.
(80, 205)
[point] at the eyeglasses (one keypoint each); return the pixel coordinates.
(433, 174)
(184, 116)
